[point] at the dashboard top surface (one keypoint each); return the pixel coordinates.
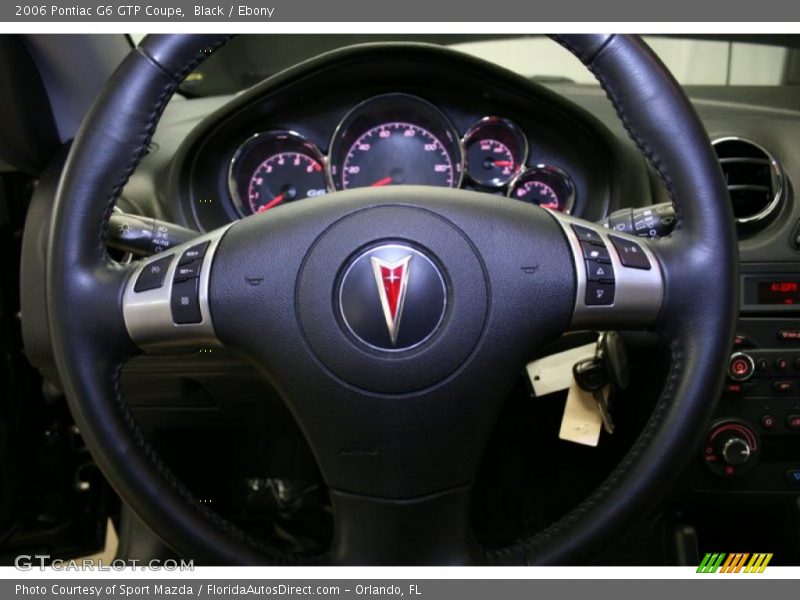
(187, 175)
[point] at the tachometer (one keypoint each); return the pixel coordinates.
(275, 168)
(284, 177)
(395, 139)
(546, 186)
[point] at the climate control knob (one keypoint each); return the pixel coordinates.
(731, 447)
(741, 366)
(735, 451)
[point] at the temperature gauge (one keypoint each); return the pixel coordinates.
(545, 186)
(495, 150)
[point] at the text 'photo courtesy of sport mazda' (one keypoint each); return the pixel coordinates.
(427, 300)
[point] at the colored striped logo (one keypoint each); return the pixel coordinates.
(714, 562)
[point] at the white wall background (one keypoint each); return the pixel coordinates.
(693, 62)
(697, 62)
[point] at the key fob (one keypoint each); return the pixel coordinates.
(590, 374)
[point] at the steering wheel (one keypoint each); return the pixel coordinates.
(393, 321)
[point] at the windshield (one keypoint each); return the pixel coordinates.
(707, 60)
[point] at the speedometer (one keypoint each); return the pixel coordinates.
(397, 153)
(395, 139)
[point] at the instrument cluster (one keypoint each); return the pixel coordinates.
(394, 139)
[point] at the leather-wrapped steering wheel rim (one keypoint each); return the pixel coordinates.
(85, 290)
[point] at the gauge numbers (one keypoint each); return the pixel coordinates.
(397, 154)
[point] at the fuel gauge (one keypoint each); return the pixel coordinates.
(546, 186)
(496, 150)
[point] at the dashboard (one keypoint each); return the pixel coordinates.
(394, 139)
(371, 116)
(412, 114)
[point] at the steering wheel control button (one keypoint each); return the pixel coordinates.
(741, 366)
(767, 422)
(185, 302)
(608, 293)
(596, 271)
(599, 294)
(194, 253)
(630, 253)
(392, 297)
(587, 235)
(153, 275)
(595, 252)
(781, 364)
(188, 270)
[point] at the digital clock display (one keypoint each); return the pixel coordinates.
(783, 291)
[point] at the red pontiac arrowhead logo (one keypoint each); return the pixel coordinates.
(391, 279)
(388, 284)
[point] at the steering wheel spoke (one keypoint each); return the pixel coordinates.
(393, 321)
(166, 304)
(433, 529)
(619, 277)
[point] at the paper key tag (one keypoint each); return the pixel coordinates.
(582, 420)
(554, 373)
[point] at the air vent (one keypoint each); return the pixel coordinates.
(754, 178)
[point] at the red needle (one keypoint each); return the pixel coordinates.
(274, 202)
(380, 182)
(504, 163)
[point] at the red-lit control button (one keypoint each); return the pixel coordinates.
(784, 387)
(781, 364)
(793, 422)
(767, 421)
(789, 335)
(741, 366)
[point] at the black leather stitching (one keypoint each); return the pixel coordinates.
(648, 152)
(139, 151)
(152, 121)
(526, 547)
(221, 523)
(584, 58)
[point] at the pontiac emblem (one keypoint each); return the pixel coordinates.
(392, 281)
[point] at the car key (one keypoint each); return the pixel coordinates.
(611, 351)
(591, 376)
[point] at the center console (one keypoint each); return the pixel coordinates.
(753, 443)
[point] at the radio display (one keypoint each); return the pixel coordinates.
(779, 291)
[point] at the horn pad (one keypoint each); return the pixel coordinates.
(392, 299)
